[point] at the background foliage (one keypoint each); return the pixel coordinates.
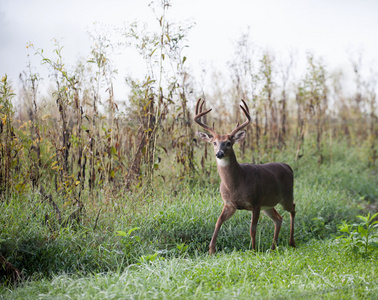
(90, 184)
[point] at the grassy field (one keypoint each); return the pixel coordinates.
(316, 270)
(155, 246)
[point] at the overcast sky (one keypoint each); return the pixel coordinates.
(329, 28)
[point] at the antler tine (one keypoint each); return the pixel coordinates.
(201, 106)
(245, 104)
(198, 104)
(246, 123)
(200, 114)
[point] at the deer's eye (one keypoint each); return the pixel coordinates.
(215, 143)
(228, 144)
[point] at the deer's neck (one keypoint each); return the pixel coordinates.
(229, 170)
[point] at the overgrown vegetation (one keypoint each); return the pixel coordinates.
(90, 185)
(362, 236)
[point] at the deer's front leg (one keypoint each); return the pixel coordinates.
(227, 213)
(255, 218)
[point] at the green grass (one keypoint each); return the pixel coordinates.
(318, 270)
(175, 228)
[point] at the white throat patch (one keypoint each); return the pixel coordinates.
(223, 162)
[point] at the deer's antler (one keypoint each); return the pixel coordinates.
(200, 114)
(246, 112)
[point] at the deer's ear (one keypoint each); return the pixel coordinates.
(204, 136)
(239, 136)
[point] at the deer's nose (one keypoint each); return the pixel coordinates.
(220, 154)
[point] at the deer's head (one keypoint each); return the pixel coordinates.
(222, 143)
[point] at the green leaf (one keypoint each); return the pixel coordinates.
(146, 106)
(148, 258)
(113, 150)
(152, 53)
(121, 233)
(374, 216)
(344, 227)
(362, 231)
(132, 229)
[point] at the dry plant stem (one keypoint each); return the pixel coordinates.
(8, 143)
(160, 94)
(98, 215)
(131, 172)
(9, 271)
(52, 203)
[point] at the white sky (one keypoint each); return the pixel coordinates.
(329, 28)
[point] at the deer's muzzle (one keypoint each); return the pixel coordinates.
(220, 154)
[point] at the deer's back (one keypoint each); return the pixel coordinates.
(269, 184)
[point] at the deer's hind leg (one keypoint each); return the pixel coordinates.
(277, 220)
(292, 216)
(289, 206)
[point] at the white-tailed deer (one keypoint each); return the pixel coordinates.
(248, 186)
